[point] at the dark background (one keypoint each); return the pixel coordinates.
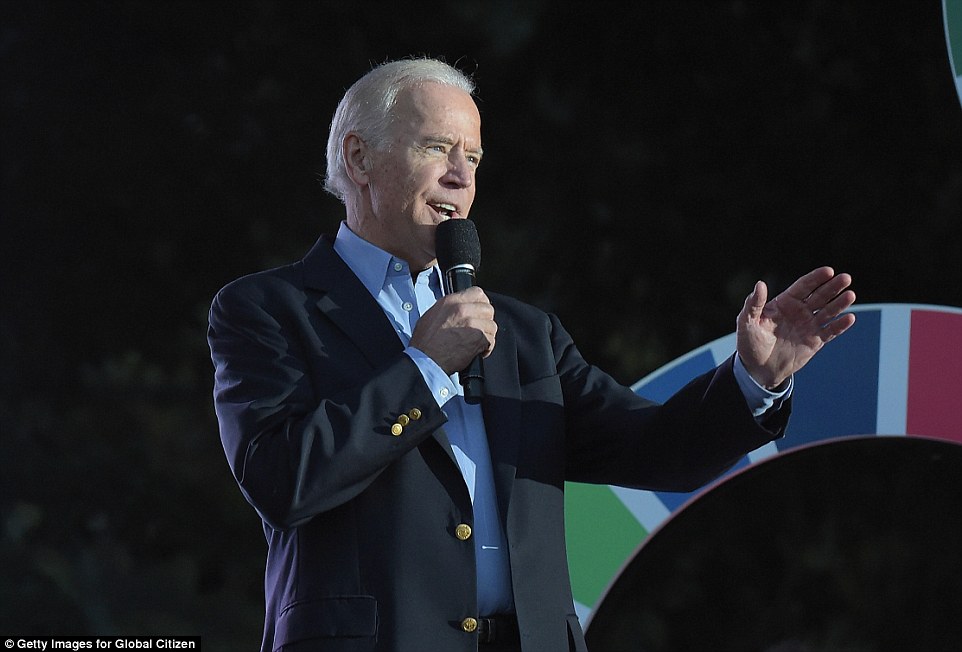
(645, 164)
(852, 546)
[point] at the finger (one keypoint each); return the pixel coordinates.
(836, 306)
(755, 301)
(475, 294)
(804, 286)
(836, 327)
(488, 328)
(492, 340)
(828, 291)
(483, 310)
(468, 303)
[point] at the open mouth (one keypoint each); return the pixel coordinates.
(446, 211)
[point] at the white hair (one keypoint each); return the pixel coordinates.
(366, 109)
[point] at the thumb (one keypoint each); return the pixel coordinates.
(755, 302)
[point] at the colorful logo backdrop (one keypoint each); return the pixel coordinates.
(898, 371)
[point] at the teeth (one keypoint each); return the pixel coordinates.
(445, 210)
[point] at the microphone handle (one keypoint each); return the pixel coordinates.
(456, 279)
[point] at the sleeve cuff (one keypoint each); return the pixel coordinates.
(760, 400)
(443, 387)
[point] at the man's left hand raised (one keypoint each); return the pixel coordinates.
(777, 338)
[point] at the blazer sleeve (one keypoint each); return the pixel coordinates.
(614, 436)
(305, 419)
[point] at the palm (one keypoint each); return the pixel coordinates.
(777, 338)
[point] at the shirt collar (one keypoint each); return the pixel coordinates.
(371, 264)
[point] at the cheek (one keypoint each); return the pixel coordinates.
(403, 183)
(387, 189)
(471, 194)
(414, 186)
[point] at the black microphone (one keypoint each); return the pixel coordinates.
(459, 256)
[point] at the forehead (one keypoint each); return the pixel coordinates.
(436, 107)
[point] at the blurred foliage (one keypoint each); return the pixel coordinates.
(644, 165)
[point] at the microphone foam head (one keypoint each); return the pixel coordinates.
(457, 243)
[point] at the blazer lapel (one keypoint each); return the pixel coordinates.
(501, 406)
(348, 304)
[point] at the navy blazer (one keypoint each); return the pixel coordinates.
(362, 554)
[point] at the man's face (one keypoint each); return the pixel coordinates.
(425, 175)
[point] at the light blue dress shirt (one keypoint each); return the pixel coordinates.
(404, 299)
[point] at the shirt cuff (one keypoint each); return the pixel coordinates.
(759, 399)
(442, 386)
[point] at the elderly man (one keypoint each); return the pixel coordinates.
(398, 516)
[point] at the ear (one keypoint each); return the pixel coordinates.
(357, 160)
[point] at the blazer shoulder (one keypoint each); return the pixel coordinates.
(524, 317)
(262, 286)
(515, 308)
(319, 264)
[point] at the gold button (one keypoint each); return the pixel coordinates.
(415, 414)
(463, 531)
(469, 624)
(397, 429)
(403, 420)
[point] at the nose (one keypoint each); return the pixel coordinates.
(460, 172)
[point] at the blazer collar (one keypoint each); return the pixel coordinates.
(348, 304)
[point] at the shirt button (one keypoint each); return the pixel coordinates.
(469, 625)
(444, 392)
(463, 531)
(398, 267)
(408, 306)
